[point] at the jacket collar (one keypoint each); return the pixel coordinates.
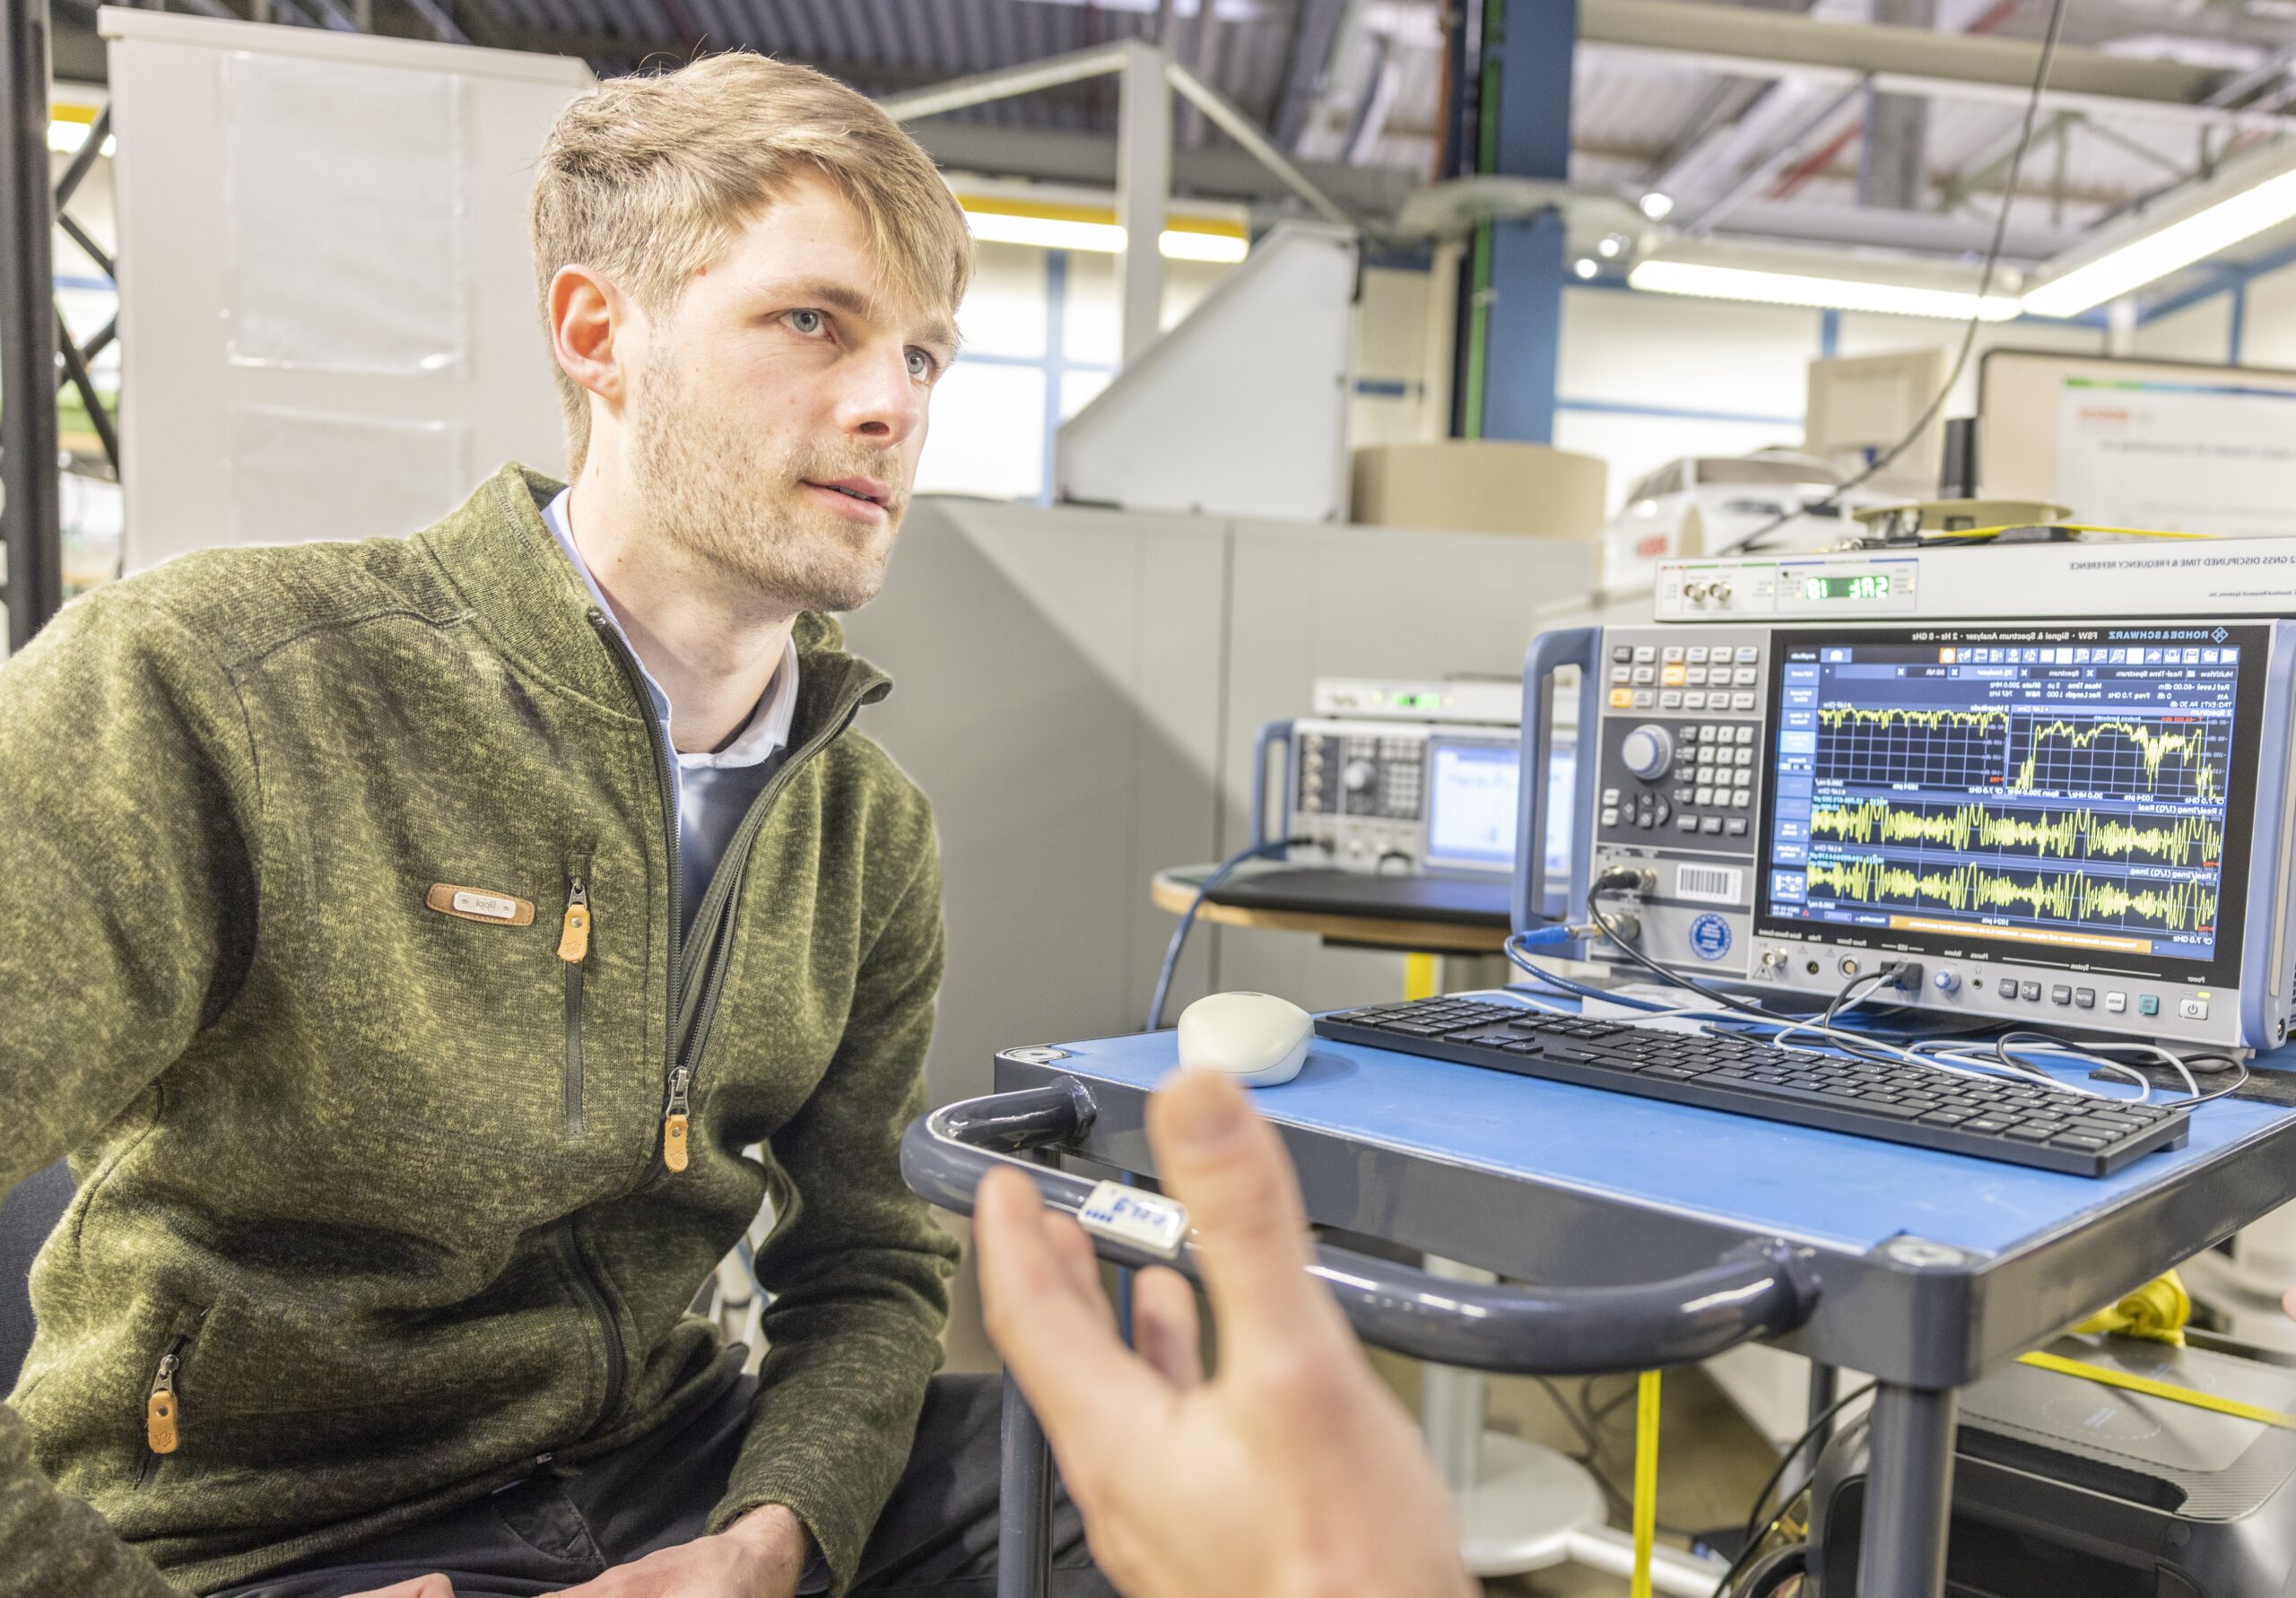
(499, 555)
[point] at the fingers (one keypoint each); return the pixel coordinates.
(2288, 1303)
(422, 1586)
(1051, 1324)
(1228, 1167)
(1164, 1327)
(1072, 1250)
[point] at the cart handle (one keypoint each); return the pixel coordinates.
(1760, 1290)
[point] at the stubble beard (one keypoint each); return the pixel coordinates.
(739, 506)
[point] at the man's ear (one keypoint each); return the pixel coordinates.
(591, 332)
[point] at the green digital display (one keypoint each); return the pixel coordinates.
(1870, 584)
(1419, 701)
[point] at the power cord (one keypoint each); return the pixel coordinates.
(1832, 501)
(1219, 874)
(1755, 1529)
(1751, 1563)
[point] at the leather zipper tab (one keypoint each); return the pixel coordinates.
(674, 1121)
(574, 937)
(160, 1418)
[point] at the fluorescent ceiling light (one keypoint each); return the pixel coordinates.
(2155, 254)
(1827, 293)
(1223, 248)
(1183, 244)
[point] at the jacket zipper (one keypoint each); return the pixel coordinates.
(677, 1074)
(160, 1405)
(730, 868)
(163, 1408)
(574, 950)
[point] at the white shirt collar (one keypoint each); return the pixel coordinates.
(767, 732)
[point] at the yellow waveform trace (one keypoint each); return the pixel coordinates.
(1837, 716)
(2061, 834)
(2190, 748)
(2070, 896)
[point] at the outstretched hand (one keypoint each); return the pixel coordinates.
(1291, 1471)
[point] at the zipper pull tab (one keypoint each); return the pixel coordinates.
(674, 1123)
(574, 940)
(159, 1408)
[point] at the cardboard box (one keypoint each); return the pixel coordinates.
(1485, 485)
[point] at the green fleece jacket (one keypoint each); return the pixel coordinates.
(375, 1142)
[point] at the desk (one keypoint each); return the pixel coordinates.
(1175, 889)
(1933, 1269)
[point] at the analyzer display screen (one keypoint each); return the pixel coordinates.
(2081, 792)
(1471, 803)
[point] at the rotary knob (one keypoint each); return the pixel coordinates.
(1648, 751)
(1359, 775)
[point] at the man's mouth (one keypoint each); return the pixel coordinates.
(866, 489)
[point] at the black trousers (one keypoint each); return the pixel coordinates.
(937, 1536)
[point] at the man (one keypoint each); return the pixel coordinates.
(1293, 1473)
(410, 936)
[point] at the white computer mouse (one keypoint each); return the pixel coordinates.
(1258, 1039)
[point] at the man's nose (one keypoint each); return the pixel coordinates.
(882, 401)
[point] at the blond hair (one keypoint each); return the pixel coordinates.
(648, 179)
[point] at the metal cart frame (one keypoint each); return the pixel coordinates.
(1924, 1318)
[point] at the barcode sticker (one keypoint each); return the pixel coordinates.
(1715, 884)
(1146, 1221)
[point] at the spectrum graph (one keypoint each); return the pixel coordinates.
(2024, 751)
(2040, 795)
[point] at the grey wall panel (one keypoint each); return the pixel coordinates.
(1312, 602)
(1057, 693)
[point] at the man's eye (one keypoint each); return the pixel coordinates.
(807, 322)
(921, 365)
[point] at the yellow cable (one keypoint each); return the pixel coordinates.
(2151, 1389)
(2158, 1310)
(1419, 976)
(1646, 1479)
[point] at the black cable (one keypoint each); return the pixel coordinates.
(1625, 880)
(1570, 1412)
(1766, 1575)
(1842, 999)
(1595, 913)
(1832, 501)
(1593, 1459)
(1755, 1529)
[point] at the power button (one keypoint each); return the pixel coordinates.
(2193, 1009)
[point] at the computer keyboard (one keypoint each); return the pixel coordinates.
(2018, 1122)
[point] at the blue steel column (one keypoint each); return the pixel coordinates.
(1526, 133)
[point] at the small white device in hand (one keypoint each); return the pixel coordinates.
(1258, 1039)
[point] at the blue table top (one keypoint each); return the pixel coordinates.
(1824, 1188)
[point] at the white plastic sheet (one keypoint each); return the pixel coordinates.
(306, 474)
(345, 190)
